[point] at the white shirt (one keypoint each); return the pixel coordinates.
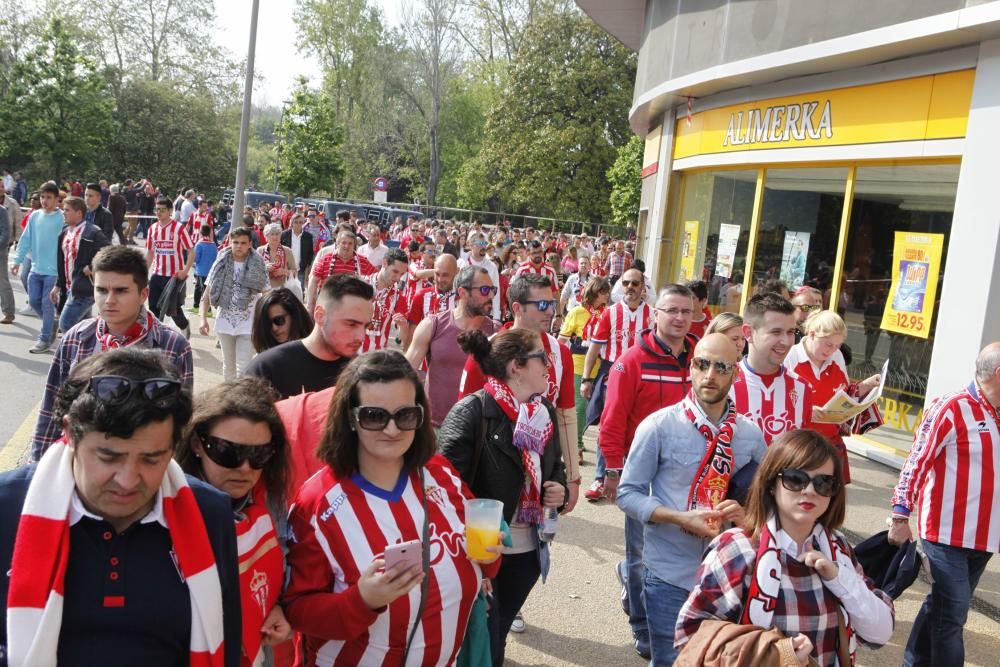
(8, 183)
(77, 511)
(618, 292)
(187, 210)
(297, 248)
(491, 268)
(230, 320)
(374, 255)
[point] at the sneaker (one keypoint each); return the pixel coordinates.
(40, 348)
(194, 310)
(642, 648)
(517, 626)
(620, 572)
(596, 490)
(27, 310)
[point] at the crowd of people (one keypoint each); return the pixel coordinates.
(312, 509)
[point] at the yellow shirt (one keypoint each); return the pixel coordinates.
(573, 325)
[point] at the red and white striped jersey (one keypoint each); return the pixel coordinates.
(337, 527)
(561, 391)
(168, 243)
(388, 301)
(71, 248)
(413, 284)
(776, 404)
(951, 473)
(331, 264)
(824, 382)
(429, 301)
(619, 329)
(545, 270)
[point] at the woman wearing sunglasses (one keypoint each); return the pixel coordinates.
(236, 442)
(502, 440)
(279, 317)
(382, 486)
(788, 568)
(817, 359)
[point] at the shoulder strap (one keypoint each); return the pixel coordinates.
(426, 557)
(480, 437)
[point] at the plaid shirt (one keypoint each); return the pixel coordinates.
(804, 604)
(617, 264)
(80, 343)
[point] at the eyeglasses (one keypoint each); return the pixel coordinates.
(631, 283)
(796, 480)
(279, 320)
(479, 244)
(808, 309)
(721, 367)
(540, 355)
(371, 418)
(674, 312)
(230, 454)
(542, 304)
(115, 389)
(485, 290)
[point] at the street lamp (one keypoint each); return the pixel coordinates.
(277, 145)
(241, 160)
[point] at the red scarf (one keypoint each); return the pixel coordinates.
(261, 570)
(41, 554)
(276, 265)
(71, 248)
(712, 481)
(532, 432)
(595, 317)
(135, 334)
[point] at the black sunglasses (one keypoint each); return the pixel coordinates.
(232, 454)
(371, 418)
(796, 480)
(630, 283)
(721, 367)
(540, 355)
(115, 389)
(542, 304)
(279, 320)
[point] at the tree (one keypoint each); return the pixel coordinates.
(177, 140)
(310, 145)
(554, 132)
(57, 108)
(625, 177)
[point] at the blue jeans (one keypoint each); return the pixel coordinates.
(601, 465)
(75, 309)
(936, 636)
(25, 272)
(39, 287)
(663, 604)
(635, 573)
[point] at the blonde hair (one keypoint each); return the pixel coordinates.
(723, 322)
(824, 323)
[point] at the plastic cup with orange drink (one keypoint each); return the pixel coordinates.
(482, 527)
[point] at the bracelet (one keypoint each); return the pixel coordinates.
(590, 380)
(578, 481)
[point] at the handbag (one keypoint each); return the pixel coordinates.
(724, 644)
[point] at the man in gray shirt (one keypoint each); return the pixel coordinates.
(675, 482)
(6, 293)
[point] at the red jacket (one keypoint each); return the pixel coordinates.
(647, 377)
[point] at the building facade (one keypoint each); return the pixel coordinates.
(851, 146)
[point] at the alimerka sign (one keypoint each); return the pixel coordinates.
(785, 122)
(920, 109)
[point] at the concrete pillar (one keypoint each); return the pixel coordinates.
(969, 315)
(660, 221)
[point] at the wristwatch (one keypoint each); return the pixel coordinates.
(591, 380)
(613, 473)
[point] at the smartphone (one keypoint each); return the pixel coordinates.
(404, 554)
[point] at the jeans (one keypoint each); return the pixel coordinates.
(664, 602)
(634, 575)
(581, 412)
(236, 355)
(601, 463)
(936, 636)
(6, 291)
(25, 272)
(39, 287)
(76, 309)
(513, 583)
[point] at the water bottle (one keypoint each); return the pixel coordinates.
(547, 531)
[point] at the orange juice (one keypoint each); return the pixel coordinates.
(477, 539)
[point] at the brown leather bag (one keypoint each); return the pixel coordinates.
(725, 644)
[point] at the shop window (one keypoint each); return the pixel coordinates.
(915, 198)
(714, 231)
(799, 228)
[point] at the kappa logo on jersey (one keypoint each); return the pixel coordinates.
(334, 506)
(983, 427)
(620, 367)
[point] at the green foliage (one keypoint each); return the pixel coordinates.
(554, 134)
(310, 146)
(175, 140)
(625, 177)
(56, 108)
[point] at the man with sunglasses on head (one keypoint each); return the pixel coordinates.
(478, 246)
(120, 276)
(113, 554)
(434, 340)
(765, 391)
(674, 485)
(650, 375)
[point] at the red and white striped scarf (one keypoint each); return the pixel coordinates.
(275, 261)
(532, 432)
(71, 248)
(261, 571)
(711, 482)
(135, 334)
(41, 552)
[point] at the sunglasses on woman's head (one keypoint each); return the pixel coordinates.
(232, 454)
(372, 418)
(115, 389)
(796, 480)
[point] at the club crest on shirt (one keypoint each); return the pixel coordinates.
(259, 589)
(620, 367)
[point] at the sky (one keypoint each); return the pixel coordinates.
(276, 59)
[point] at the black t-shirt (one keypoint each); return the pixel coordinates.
(292, 369)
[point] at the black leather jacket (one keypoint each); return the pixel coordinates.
(501, 472)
